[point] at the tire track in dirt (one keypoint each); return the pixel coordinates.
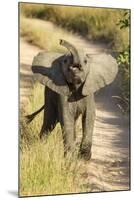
(108, 169)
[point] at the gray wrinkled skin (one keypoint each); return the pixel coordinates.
(71, 81)
(60, 109)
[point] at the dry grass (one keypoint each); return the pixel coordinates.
(44, 170)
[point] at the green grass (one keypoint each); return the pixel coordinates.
(43, 168)
(93, 23)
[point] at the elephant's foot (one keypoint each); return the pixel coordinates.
(85, 152)
(84, 155)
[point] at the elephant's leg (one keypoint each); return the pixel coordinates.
(74, 130)
(68, 135)
(49, 122)
(67, 121)
(87, 125)
(50, 112)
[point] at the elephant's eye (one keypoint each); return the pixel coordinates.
(65, 61)
(68, 69)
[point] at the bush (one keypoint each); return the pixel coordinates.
(124, 67)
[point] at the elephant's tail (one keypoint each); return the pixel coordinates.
(30, 118)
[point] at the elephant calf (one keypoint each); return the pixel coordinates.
(70, 82)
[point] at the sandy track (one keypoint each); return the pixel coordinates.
(109, 167)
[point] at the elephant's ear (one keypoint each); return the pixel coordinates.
(101, 71)
(47, 70)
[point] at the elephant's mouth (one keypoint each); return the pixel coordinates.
(75, 75)
(77, 79)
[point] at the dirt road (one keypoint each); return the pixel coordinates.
(108, 169)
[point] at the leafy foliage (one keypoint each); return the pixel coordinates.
(124, 66)
(123, 57)
(125, 22)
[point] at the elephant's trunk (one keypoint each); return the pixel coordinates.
(73, 50)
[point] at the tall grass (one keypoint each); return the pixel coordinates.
(93, 23)
(43, 168)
